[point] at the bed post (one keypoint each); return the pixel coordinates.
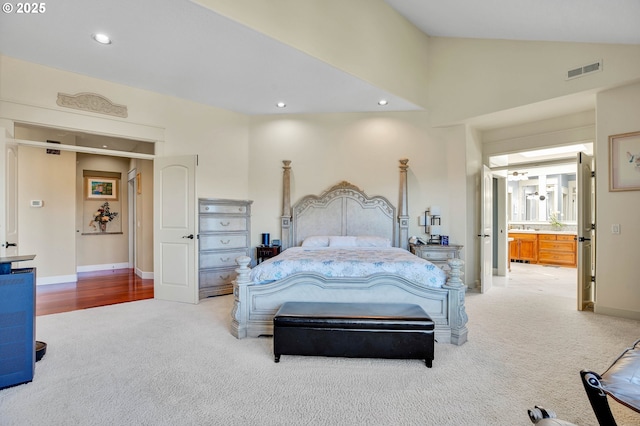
(239, 313)
(403, 218)
(285, 220)
(457, 313)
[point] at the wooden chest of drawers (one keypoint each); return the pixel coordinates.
(559, 249)
(224, 235)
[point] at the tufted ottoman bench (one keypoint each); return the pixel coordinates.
(366, 330)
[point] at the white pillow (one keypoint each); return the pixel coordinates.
(316, 241)
(371, 241)
(342, 241)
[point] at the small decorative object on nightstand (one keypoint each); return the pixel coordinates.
(436, 253)
(266, 252)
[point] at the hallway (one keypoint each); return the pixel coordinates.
(93, 289)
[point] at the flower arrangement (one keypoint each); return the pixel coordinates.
(554, 221)
(103, 216)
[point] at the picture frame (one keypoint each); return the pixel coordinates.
(101, 188)
(624, 162)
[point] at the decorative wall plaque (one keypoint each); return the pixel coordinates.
(92, 102)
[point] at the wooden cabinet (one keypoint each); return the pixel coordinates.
(224, 235)
(524, 247)
(266, 252)
(548, 249)
(437, 254)
(557, 249)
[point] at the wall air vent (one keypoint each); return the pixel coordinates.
(584, 69)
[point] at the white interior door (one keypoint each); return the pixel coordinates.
(586, 287)
(10, 243)
(486, 224)
(175, 229)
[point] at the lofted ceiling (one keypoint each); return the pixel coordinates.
(181, 49)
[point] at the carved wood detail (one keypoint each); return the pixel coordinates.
(92, 102)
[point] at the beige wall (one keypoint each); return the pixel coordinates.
(363, 149)
(617, 285)
(219, 138)
(48, 231)
(470, 77)
(93, 247)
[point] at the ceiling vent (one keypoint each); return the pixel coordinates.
(584, 70)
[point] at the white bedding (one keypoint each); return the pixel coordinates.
(349, 262)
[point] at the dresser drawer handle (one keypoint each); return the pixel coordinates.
(226, 259)
(225, 242)
(225, 223)
(226, 277)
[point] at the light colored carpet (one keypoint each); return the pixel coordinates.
(159, 363)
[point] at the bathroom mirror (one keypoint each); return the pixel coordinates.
(540, 198)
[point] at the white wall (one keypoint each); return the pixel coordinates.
(567, 129)
(617, 283)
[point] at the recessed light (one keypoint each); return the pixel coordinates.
(383, 102)
(101, 38)
(281, 105)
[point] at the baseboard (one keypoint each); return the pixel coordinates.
(144, 275)
(59, 279)
(613, 312)
(103, 267)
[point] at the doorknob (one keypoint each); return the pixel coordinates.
(485, 235)
(8, 244)
(190, 236)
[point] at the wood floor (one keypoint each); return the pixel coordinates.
(93, 289)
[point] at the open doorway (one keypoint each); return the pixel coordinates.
(541, 214)
(56, 162)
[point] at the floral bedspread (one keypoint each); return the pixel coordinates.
(349, 262)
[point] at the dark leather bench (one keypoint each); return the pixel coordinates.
(354, 330)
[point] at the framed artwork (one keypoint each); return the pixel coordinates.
(624, 162)
(101, 188)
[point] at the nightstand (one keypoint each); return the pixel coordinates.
(263, 253)
(437, 254)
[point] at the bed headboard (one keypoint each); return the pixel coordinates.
(344, 209)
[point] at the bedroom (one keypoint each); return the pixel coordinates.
(242, 153)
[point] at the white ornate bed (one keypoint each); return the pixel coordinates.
(345, 210)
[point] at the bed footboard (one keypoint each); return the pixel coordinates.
(256, 304)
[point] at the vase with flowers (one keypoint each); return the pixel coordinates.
(102, 216)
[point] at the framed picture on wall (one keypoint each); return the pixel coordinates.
(624, 162)
(101, 188)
